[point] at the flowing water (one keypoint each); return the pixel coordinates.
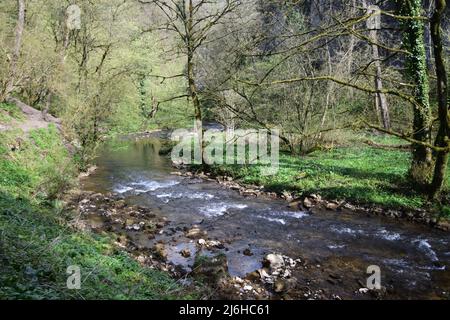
(413, 258)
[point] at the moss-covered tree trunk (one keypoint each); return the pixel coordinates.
(416, 67)
(443, 136)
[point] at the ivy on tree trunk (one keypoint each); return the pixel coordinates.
(416, 68)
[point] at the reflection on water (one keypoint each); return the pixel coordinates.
(411, 256)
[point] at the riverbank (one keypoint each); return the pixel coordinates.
(314, 203)
(357, 178)
(39, 239)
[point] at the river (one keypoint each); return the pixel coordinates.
(413, 258)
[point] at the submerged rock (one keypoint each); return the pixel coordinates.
(295, 204)
(185, 253)
(195, 233)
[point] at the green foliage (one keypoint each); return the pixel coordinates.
(210, 269)
(445, 211)
(416, 62)
(36, 250)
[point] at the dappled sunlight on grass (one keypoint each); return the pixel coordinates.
(360, 174)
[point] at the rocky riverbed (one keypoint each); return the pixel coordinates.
(151, 239)
(225, 236)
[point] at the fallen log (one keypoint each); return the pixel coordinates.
(405, 147)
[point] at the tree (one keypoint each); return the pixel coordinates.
(192, 22)
(374, 24)
(417, 71)
(11, 81)
(443, 135)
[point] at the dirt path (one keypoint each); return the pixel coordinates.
(33, 119)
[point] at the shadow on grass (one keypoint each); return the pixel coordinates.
(317, 169)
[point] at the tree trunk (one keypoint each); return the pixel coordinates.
(62, 61)
(443, 136)
(380, 98)
(193, 92)
(416, 66)
(381, 104)
(16, 50)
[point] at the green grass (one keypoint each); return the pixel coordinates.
(36, 249)
(36, 243)
(359, 174)
(39, 167)
(9, 113)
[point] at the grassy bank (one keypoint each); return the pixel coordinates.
(10, 113)
(36, 244)
(354, 172)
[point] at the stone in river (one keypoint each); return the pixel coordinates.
(160, 251)
(280, 286)
(274, 261)
(195, 233)
(253, 276)
(308, 203)
(185, 253)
